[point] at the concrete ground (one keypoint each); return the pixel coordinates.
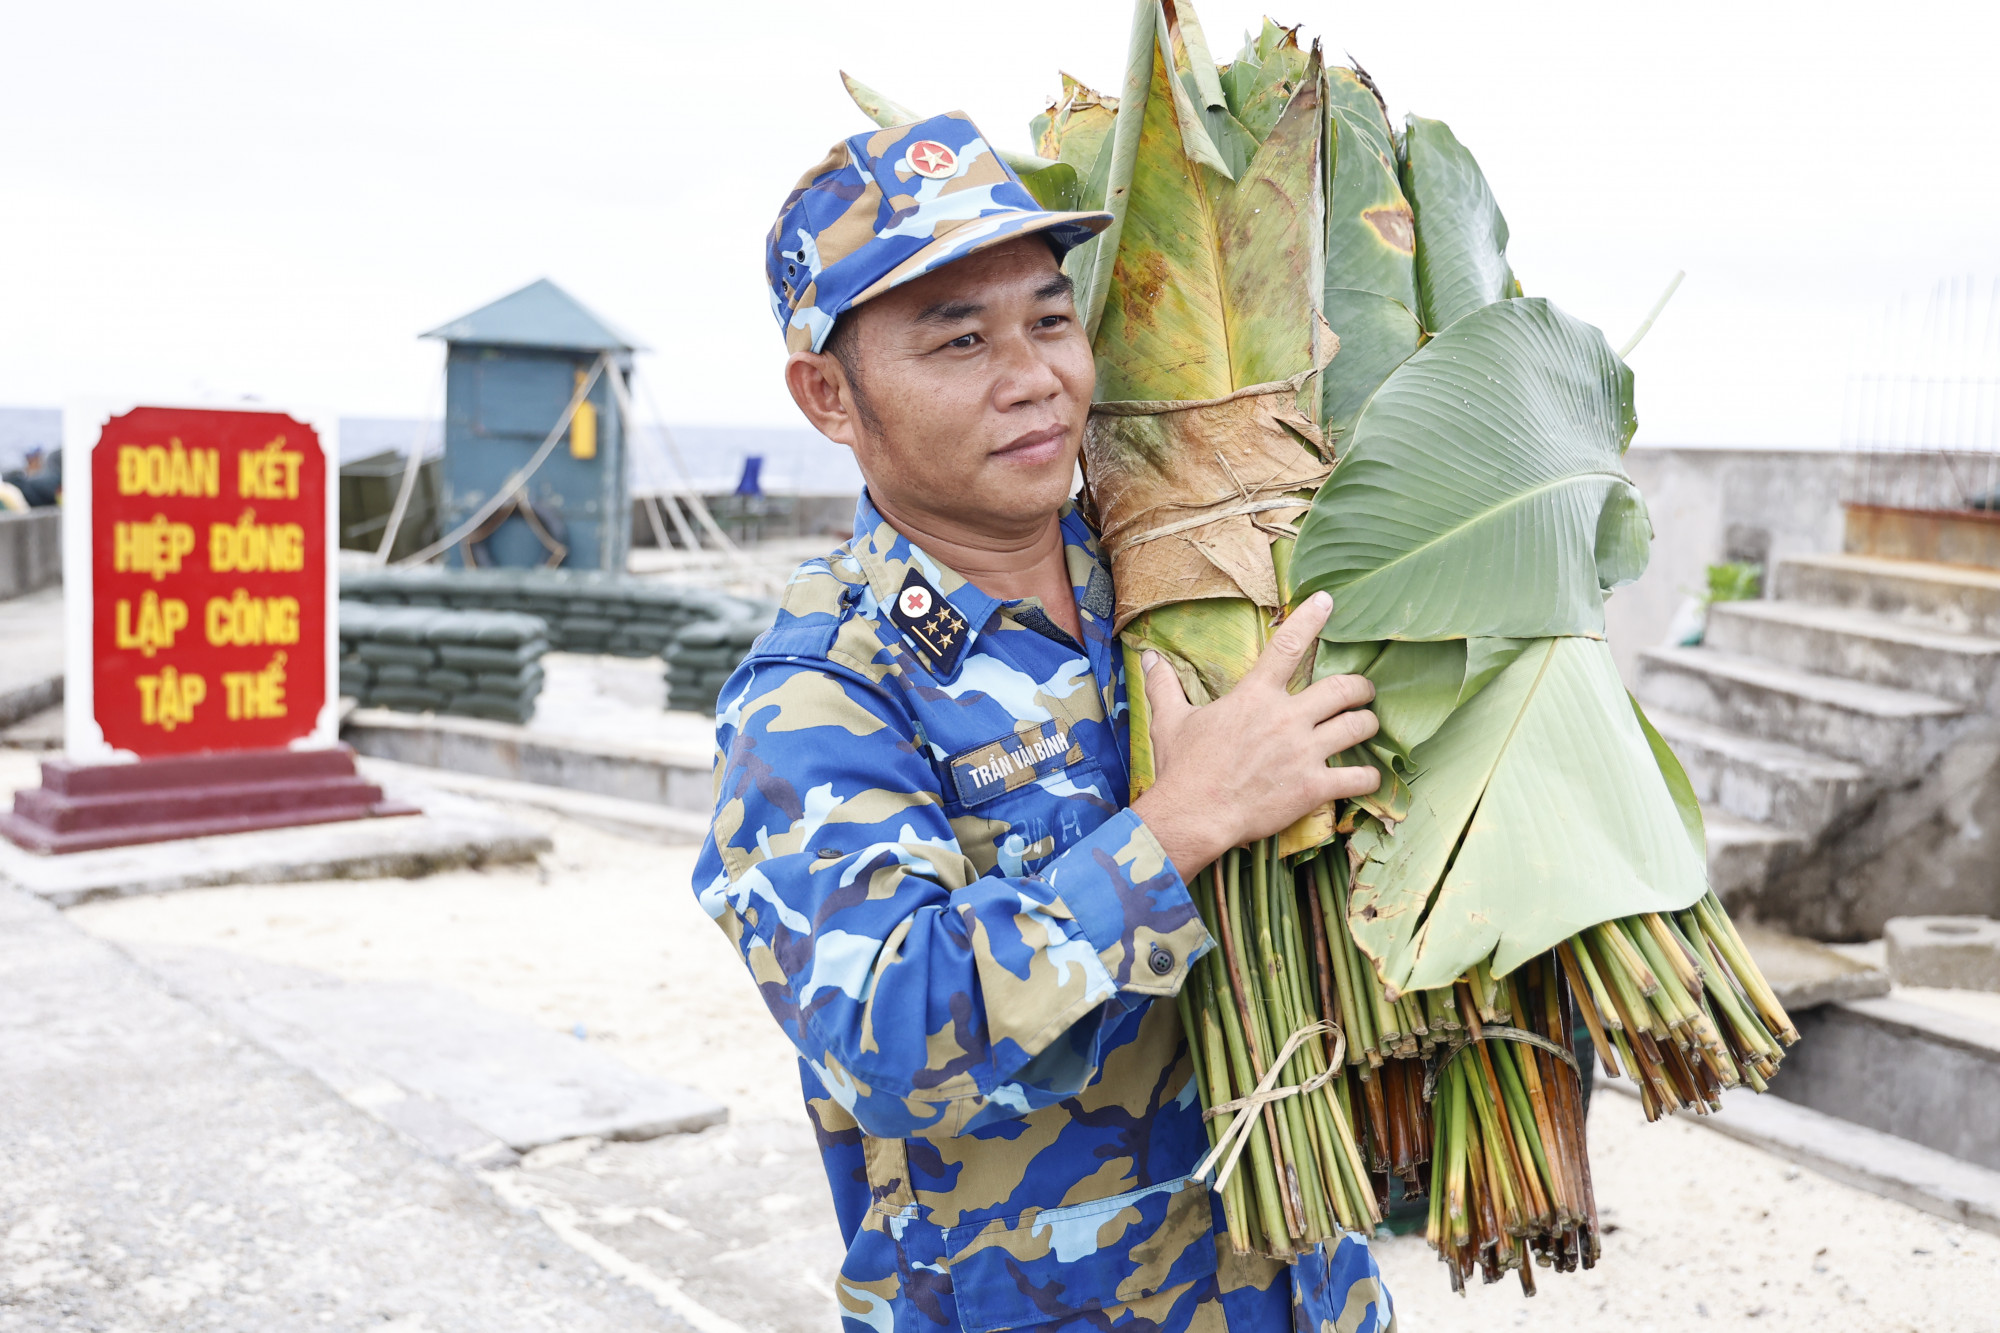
(159, 1172)
(1701, 1231)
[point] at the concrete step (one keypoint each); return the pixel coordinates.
(1742, 854)
(1763, 781)
(1929, 1075)
(1952, 597)
(1805, 974)
(1891, 731)
(1860, 645)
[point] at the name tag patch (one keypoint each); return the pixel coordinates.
(1012, 762)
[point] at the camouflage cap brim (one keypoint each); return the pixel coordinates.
(1069, 230)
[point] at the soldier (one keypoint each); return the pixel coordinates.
(923, 842)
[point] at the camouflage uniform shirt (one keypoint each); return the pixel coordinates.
(922, 848)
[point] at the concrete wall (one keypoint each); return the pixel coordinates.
(1711, 505)
(30, 550)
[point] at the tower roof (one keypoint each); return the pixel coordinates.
(541, 314)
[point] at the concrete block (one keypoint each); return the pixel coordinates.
(1931, 1076)
(451, 833)
(1953, 952)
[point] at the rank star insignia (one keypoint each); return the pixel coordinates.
(930, 622)
(932, 160)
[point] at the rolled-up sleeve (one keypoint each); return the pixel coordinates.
(927, 997)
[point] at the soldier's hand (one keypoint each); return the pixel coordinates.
(1254, 761)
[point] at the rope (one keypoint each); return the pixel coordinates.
(411, 467)
(695, 504)
(1153, 407)
(1209, 516)
(1237, 1136)
(1493, 1032)
(504, 492)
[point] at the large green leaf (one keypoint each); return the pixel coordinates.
(1056, 187)
(1163, 333)
(1349, 93)
(1418, 683)
(1461, 236)
(1370, 295)
(1677, 782)
(1538, 809)
(1260, 82)
(1371, 233)
(1377, 334)
(1214, 283)
(1077, 128)
(1481, 492)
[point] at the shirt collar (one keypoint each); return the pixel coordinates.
(886, 557)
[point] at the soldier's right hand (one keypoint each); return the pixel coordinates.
(1254, 761)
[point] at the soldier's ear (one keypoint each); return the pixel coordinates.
(819, 385)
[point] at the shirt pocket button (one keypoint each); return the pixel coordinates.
(1161, 961)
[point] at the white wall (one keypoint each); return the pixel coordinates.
(1710, 505)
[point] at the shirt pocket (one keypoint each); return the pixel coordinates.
(1049, 1264)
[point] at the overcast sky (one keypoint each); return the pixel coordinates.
(216, 199)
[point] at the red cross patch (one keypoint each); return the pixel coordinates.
(916, 602)
(932, 160)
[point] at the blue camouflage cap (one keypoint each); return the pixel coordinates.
(892, 205)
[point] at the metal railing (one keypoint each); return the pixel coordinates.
(1923, 423)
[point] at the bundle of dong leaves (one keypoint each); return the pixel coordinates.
(1317, 371)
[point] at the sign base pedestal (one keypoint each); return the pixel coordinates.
(84, 807)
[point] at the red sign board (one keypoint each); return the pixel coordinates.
(208, 574)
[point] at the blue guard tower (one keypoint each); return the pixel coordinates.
(510, 369)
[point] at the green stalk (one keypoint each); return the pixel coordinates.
(1340, 942)
(1730, 945)
(1246, 1058)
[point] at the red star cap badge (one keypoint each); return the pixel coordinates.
(932, 160)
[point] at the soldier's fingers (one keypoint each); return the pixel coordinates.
(1346, 730)
(1293, 640)
(1164, 695)
(1335, 695)
(1341, 783)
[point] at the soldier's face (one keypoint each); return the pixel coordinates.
(977, 380)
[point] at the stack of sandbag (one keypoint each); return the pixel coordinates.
(442, 660)
(700, 657)
(586, 611)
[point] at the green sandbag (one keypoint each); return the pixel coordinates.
(448, 680)
(395, 654)
(401, 673)
(492, 629)
(406, 698)
(508, 682)
(469, 657)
